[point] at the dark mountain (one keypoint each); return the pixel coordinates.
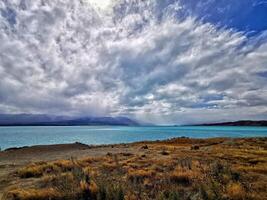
(116, 121)
(239, 123)
(46, 120)
(9, 119)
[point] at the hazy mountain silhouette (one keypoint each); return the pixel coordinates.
(239, 123)
(47, 120)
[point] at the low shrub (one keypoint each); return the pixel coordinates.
(195, 147)
(164, 153)
(110, 192)
(169, 195)
(144, 147)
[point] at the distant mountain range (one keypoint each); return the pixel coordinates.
(46, 120)
(50, 120)
(238, 123)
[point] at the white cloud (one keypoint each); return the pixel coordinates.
(103, 4)
(63, 57)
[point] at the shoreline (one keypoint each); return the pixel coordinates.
(41, 146)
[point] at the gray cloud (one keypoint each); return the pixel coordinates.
(65, 57)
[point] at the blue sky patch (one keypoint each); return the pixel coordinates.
(9, 15)
(243, 15)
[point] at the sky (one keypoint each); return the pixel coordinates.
(165, 62)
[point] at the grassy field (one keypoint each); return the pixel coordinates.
(182, 168)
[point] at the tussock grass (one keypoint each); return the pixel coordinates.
(259, 168)
(33, 194)
(221, 169)
(138, 176)
(236, 191)
(183, 176)
(38, 170)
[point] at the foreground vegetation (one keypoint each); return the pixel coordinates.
(169, 170)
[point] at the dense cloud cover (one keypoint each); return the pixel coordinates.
(145, 59)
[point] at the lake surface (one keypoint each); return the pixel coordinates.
(39, 135)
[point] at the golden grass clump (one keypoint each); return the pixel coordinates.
(64, 182)
(30, 171)
(93, 188)
(89, 190)
(38, 170)
(90, 171)
(109, 166)
(65, 165)
(182, 176)
(33, 194)
(236, 191)
(139, 175)
(87, 161)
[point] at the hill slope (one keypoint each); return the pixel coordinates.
(239, 123)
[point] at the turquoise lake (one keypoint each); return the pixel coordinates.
(35, 135)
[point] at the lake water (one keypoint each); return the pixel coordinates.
(28, 136)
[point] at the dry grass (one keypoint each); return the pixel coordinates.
(109, 166)
(183, 176)
(38, 170)
(33, 194)
(236, 191)
(259, 168)
(218, 169)
(138, 176)
(89, 190)
(30, 171)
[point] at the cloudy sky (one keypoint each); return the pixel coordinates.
(171, 61)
